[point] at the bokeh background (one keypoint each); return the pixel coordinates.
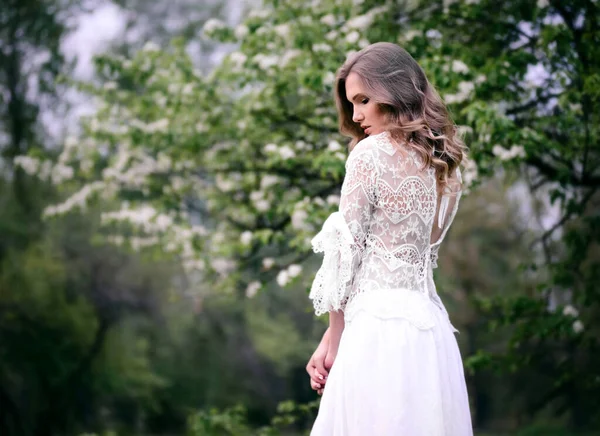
(165, 164)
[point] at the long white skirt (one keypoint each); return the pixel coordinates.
(396, 375)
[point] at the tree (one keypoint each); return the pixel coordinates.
(60, 294)
(251, 151)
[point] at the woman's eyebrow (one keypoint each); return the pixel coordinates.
(360, 94)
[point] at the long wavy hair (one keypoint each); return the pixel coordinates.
(414, 112)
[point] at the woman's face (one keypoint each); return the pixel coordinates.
(366, 112)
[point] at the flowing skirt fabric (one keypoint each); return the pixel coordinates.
(396, 376)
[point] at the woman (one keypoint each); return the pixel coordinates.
(394, 364)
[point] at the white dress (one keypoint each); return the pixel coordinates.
(398, 370)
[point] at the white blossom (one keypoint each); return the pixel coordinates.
(299, 217)
(328, 78)
(109, 86)
(137, 243)
(265, 61)
(69, 148)
(238, 58)
(246, 237)
(334, 200)
(459, 66)
(294, 270)
(570, 311)
(198, 229)
(578, 326)
(61, 172)
(222, 266)
(286, 152)
(268, 180)
(188, 89)
(412, 34)
(321, 48)
(150, 47)
(271, 148)
(334, 146)
(328, 20)
(353, 37)
(29, 164)
(283, 30)
(504, 154)
(464, 91)
(241, 31)
(464, 130)
(470, 173)
(330, 36)
(262, 205)
(79, 199)
(253, 288)
(301, 145)
(289, 55)
(268, 262)
(433, 34)
(157, 126)
(259, 13)
(361, 22)
(257, 195)
(145, 217)
(542, 4)
(283, 278)
(116, 239)
(212, 25)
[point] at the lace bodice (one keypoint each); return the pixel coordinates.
(387, 232)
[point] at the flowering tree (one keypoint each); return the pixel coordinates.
(236, 170)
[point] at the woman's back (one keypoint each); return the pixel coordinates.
(393, 209)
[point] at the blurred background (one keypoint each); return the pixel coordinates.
(166, 163)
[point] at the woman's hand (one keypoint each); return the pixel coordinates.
(319, 364)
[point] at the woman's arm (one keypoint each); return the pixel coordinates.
(336, 328)
(316, 367)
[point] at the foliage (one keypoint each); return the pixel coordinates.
(233, 421)
(234, 171)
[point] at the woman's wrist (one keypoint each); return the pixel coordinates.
(336, 328)
(326, 336)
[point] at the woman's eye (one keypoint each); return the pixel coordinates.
(365, 101)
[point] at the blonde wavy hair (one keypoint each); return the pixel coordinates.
(415, 113)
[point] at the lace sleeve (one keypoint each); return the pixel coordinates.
(446, 213)
(343, 236)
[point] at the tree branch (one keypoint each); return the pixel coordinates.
(552, 172)
(531, 104)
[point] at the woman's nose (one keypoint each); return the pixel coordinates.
(357, 116)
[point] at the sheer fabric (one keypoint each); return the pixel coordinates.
(397, 220)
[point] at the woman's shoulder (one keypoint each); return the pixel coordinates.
(375, 143)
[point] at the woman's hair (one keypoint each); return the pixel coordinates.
(414, 111)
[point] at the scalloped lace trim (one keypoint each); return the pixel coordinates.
(330, 289)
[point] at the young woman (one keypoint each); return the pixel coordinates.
(389, 363)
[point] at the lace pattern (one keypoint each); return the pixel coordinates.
(387, 232)
(329, 290)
